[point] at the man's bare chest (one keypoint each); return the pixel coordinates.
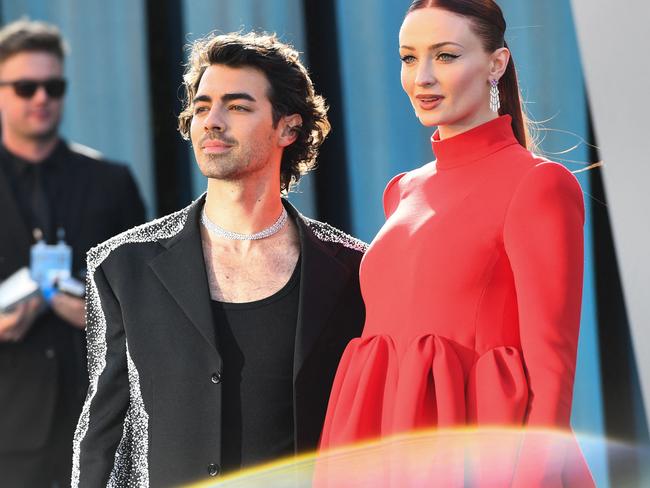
(237, 279)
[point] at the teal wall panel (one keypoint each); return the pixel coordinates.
(383, 136)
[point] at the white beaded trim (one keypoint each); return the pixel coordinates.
(131, 462)
(326, 232)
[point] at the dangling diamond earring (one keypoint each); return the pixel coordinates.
(495, 103)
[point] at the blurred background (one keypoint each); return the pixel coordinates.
(584, 74)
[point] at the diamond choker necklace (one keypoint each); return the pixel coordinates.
(236, 236)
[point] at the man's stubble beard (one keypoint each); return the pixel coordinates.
(236, 164)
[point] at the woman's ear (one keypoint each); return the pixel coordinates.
(499, 62)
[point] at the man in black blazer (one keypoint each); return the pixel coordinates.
(214, 333)
(56, 187)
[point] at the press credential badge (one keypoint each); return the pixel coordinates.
(50, 263)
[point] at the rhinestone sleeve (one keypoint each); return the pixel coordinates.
(130, 465)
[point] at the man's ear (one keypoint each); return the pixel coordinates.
(290, 128)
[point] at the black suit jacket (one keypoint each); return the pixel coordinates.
(153, 353)
(100, 200)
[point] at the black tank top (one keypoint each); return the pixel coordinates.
(256, 341)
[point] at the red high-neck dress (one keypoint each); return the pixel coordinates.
(472, 290)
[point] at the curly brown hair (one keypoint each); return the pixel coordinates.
(291, 91)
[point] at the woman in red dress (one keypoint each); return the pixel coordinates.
(473, 285)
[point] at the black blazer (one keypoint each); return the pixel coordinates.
(100, 200)
(152, 353)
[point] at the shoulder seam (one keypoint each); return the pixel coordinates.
(161, 228)
(520, 182)
(394, 181)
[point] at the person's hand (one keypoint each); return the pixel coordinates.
(69, 308)
(14, 325)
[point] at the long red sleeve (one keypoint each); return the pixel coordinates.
(543, 238)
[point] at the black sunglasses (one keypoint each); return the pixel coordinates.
(54, 87)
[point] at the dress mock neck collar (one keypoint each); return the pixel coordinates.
(473, 144)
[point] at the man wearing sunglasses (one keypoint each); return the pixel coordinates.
(61, 190)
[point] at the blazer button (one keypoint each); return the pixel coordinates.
(216, 378)
(213, 469)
